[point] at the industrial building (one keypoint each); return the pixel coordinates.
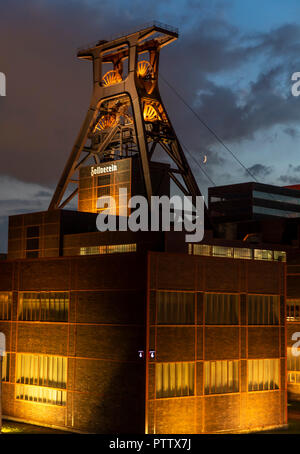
(139, 332)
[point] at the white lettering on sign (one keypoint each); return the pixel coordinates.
(98, 170)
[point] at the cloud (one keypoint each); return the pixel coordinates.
(289, 180)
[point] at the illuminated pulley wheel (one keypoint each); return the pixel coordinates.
(105, 122)
(150, 113)
(144, 70)
(110, 78)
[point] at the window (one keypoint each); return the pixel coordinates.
(237, 253)
(293, 377)
(174, 379)
(221, 309)
(263, 310)
(293, 362)
(222, 251)
(175, 308)
(5, 367)
(262, 254)
(293, 310)
(32, 241)
(5, 305)
(108, 249)
(221, 377)
(200, 249)
(44, 306)
(37, 374)
(242, 253)
(263, 374)
(41, 395)
(280, 256)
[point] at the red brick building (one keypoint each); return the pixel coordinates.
(133, 333)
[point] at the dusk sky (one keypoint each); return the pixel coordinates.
(232, 63)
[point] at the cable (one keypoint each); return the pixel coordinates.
(208, 127)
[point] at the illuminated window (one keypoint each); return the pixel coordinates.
(5, 367)
(41, 395)
(262, 254)
(5, 305)
(293, 377)
(263, 310)
(200, 249)
(242, 253)
(174, 379)
(41, 378)
(108, 249)
(280, 256)
(221, 309)
(175, 308)
(221, 377)
(222, 251)
(293, 310)
(237, 253)
(293, 361)
(263, 374)
(44, 306)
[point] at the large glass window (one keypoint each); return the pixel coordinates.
(263, 310)
(36, 374)
(44, 306)
(221, 309)
(221, 377)
(263, 374)
(174, 379)
(175, 308)
(5, 305)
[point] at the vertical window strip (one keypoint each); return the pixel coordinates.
(263, 374)
(293, 310)
(43, 306)
(221, 377)
(175, 308)
(263, 309)
(41, 370)
(221, 309)
(174, 379)
(5, 305)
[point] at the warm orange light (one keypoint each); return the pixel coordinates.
(106, 121)
(150, 113)
(144, 69)
(110, 78)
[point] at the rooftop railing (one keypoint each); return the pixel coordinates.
(114, 37)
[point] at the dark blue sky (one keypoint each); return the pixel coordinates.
(233, 63)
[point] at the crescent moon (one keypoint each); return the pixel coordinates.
(205, 159)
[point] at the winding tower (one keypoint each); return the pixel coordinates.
(126, 116)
